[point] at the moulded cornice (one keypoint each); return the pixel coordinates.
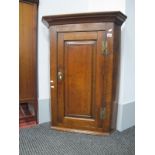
(93, 17)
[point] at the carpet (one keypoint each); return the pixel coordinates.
(41, 140)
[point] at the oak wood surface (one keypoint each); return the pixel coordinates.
(90, 17)
(89, 75)
(29, 1)
(28, 54)
(96, 133)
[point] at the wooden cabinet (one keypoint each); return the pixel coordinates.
(27, 62)
(85, 53)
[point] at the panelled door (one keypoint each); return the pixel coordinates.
(80, 80)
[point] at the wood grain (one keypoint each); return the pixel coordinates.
(30, 1)
(79, 78)
(90, 77)
(91, 17)
(28, 54)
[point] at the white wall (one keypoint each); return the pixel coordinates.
(52, 7)
(127, 92)
(126, 109)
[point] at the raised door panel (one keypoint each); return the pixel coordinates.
(80, 89)
(27, 51)
(79, 67)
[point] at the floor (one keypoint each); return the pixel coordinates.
(41, 140)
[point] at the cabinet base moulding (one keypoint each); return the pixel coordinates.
(81, 131)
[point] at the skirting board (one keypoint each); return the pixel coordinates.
(44, 111)
(126, 116)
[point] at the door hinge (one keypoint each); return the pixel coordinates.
(102, 113)
(104, 50)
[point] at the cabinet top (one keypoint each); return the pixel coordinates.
(93, 17)
(30, 1)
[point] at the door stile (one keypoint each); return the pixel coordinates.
(108, 80)
(100, 80)
(61, 82)
(53, 76)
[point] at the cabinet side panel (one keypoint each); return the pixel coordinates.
(116, 72)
